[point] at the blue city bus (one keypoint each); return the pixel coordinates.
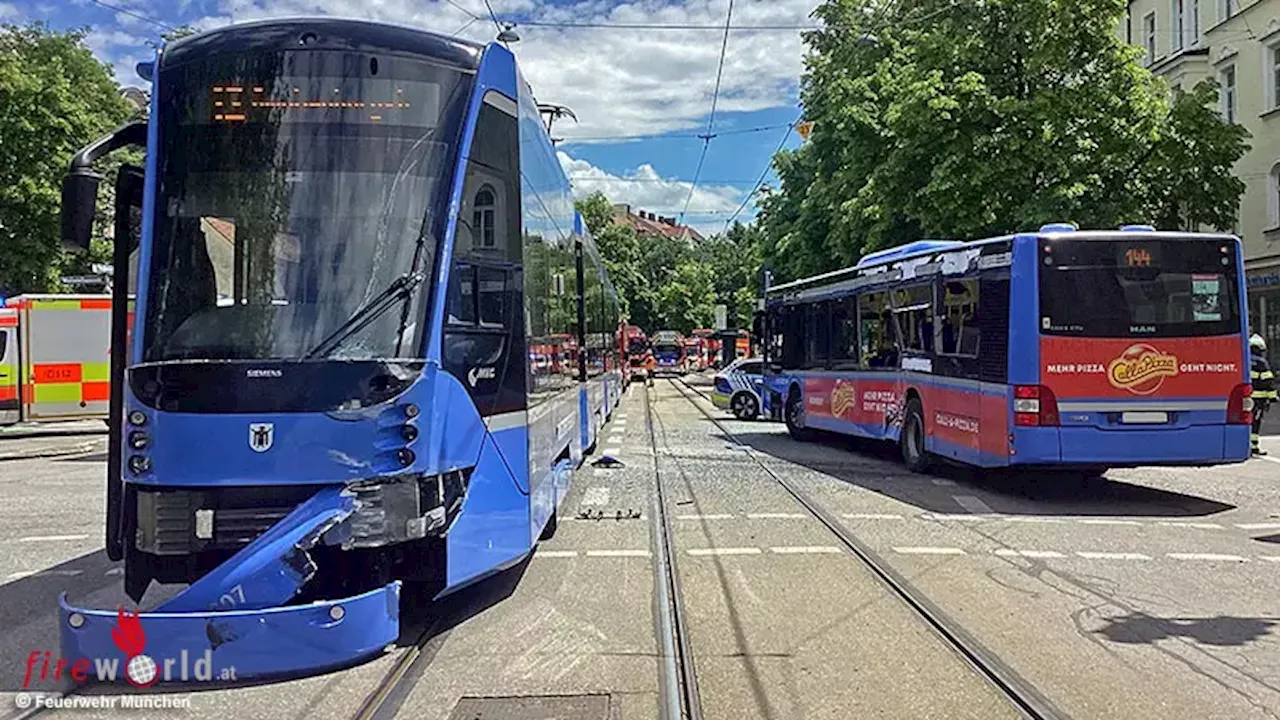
(1068, 349)
(349, 238)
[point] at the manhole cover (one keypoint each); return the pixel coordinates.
(533, 707)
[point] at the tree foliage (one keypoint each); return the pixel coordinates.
(670, 284)
(936, 118)
(56, 98)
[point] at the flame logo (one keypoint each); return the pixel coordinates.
(1141, 369)
(128, 634)
(843, 397)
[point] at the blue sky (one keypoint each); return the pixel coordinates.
(641, 95)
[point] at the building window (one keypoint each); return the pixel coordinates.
(1273, 197)
(1227, 79)
(485, 216)
(1273, 76)
(1229, 8)
(1179, 24)
(1195, 22)
(1149, 36)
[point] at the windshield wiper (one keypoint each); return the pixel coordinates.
(400, 290)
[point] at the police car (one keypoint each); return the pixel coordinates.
(738, 388)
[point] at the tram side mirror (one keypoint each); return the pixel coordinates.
(79, 205)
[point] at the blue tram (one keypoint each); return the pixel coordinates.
(373, 339)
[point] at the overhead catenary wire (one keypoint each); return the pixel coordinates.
(473, 15)
(764, 174)
(493, 15)
(135, 15)
(711, 118)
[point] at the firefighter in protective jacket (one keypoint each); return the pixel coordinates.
(1264, 387)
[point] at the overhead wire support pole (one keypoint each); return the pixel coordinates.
(711, 118)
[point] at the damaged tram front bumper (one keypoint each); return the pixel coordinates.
(235, 623)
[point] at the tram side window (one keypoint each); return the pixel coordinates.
(960, 330)
(461, 309)
(844, 330)
(879, 349)
(491, 296)
(913, 307)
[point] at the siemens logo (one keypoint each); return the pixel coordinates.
(263, 373)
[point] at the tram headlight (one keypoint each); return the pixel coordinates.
(405, 456)
(137, 417)
(411, 411)
(138, 440)
(409, 433)
(139, 464)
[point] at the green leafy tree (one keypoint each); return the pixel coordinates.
(56, 98)
(934, 118)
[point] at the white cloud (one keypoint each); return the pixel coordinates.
(644, 189)
(9, 11)
(122, 50)
(618, 82)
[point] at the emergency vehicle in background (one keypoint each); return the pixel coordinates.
(710, 347)
(668, 352)
(695, 357)
(55, 358)
(639, 356)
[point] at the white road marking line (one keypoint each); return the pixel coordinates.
(1008, 552)
(725, 551)
(805, 550)
(1113, 556)
(1258, 526)
(47, 573)
(712, 516)
(1102, 521)
(944, 482)
(620, 423)
(871, 516)
(612, 452)
(617, 553)
(115, 571)
(614, 439)
(1268, 457)
(1270, 558)
(776, 516)
(1034, 519)
(555, 554)
(1199, 525)
(1207, 556)
(955, 516)
(52, 538)
(972, 503)
(596, 496)
(929, 551)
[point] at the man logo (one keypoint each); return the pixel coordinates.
(481, 373)
(261, 436)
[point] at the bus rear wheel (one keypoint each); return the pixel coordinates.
(794, 415)
(914, 454)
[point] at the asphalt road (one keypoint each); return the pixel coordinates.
(1150, 595)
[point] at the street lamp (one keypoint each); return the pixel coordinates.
(508, 34)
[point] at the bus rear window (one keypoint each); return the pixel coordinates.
(1143, 288)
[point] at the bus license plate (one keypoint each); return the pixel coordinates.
(1144, 418)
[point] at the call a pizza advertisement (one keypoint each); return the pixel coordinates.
(1141, 368)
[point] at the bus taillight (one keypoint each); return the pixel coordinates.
(1034, 406)
(1240, 405)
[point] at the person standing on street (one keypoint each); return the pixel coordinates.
(1264, 387)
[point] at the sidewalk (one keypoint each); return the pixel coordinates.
(35, 440)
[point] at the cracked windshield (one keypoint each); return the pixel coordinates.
(640, 359)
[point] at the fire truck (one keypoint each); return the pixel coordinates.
(55, 358)
(640, 362)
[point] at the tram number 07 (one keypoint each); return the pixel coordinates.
(231, 599)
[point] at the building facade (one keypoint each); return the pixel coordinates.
(1236, 42)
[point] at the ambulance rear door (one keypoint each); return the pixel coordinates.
(65, 356)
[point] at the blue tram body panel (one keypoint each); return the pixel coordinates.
(501, 464)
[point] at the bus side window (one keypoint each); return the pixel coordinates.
(913, 308)
(844, 330)
(875, 331)
(960, 330)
